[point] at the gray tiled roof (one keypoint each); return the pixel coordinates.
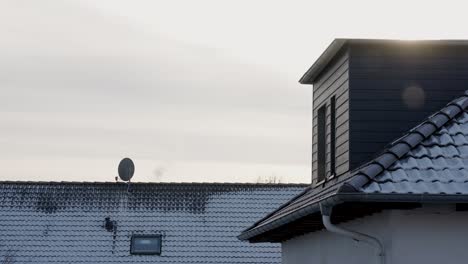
(436, 144)
(64, 222)
(438, 165)
(431, 159)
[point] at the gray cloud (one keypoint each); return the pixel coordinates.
(78, 85)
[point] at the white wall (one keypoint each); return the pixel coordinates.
(432, 234)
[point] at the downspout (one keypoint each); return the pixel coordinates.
(360, 237)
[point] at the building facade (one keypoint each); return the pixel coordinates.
(390, 158)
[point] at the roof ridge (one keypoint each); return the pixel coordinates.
(154, 183)
(401, 146)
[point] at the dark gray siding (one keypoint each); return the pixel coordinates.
(333, 81)
(379, 75)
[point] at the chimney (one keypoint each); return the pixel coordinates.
(367, 93)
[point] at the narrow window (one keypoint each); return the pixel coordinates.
(146, 244)
(321, 142)
(332, 136)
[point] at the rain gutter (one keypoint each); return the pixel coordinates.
(339, 198)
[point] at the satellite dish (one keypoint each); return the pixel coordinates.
(126, 169)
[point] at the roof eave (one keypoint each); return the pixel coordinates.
(307, 210)
(338, 198)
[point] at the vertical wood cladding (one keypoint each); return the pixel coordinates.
(333, 81)
(395, 86)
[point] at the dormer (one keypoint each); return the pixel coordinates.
(367, 93)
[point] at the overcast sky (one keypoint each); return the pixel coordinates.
(190, 90)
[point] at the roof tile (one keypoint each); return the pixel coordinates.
(64, 222)
(426, 129)
(439, 165)
(399, 149)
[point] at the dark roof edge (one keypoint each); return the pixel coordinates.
(339, 198)
(405, 198)
(400, 147)
(333, 49)
(252, 232)
(280, 207)
(160, 183)
(322, 61)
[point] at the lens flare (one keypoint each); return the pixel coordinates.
(414, 97)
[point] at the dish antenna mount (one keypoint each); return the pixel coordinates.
(126, 169)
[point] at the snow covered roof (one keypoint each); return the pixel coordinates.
(44, 222)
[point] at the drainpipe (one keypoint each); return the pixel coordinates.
(360, 237)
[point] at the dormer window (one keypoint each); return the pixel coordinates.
(332, 136)
(326, 143)
(321, 143)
